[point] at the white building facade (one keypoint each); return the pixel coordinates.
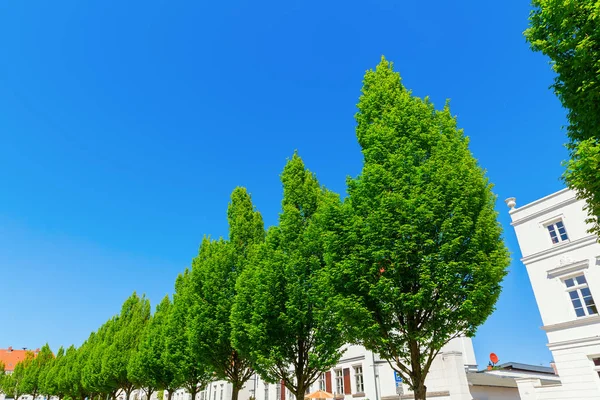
(362, 375)
(563, 263)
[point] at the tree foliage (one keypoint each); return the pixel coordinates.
(417, 256)
(121, 346)
(568, 32)
(213, 281)
(182, 357)
(147, 368)
(291, 336)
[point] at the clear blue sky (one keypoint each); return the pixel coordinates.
(124, 126)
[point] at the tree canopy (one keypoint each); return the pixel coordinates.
(215, 272)
(290, 337)
(568, 32)
(417, 258)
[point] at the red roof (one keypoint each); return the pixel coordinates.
(10, 357)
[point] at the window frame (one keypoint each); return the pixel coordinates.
(556, 231)
(595, 360)
(339, 378)
(577, 287)
(359, 384)
(321, 380)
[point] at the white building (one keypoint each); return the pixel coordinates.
(362, 375)
(563, 263)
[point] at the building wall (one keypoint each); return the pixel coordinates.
(494, 393)
(573, 340)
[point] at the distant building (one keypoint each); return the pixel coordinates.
(10, 357)
(563, 263)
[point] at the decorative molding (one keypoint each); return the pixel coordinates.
(571, 324)
(361, 394)
(557, 217)
(560, 248)
(443, 393)
(545, 198)
(566, 269)
(567, 344)
(352, 359)
(537, 214)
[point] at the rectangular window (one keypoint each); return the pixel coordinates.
(322, 382)
(557, 231)
(277, 392)
(580, 296)
(596, 361)
(358, 378)
(266, 391)
(339, 381)
(221, 396)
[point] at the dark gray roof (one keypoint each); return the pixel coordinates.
(526, 367)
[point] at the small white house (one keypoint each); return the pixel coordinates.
(563, 263)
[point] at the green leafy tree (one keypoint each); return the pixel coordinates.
(94, 378)
(291, 337)
(147, 368)
(49, 376)
(2, 378)
(568, 32)
(417, 255)
(15, 384)
(214, 274)
(181, 357)
(35, 370)
(129, 327)
(70, 379)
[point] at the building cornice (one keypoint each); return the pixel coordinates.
(538, 201)
(537, 214)
(567, 344)
(568, 268)
(571, 324)
(352, 359)
(558, 249)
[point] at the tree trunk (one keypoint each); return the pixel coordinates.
(169, 395)
(420, 391)
(301, 390)
(235, 391)
(193, 393)
(417, 377)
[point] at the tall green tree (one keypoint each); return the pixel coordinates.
(147, 368)
(96, 380)
(50, 375)
(129, 327)
(35, 370)
(417, 256)
(2, 378)
(568, 32)
(70, 380)
(182, 357)
(281, 319)
(14, 383)
(214, 274)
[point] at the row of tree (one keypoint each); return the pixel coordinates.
(410, 259)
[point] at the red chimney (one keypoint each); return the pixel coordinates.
(9, 348)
